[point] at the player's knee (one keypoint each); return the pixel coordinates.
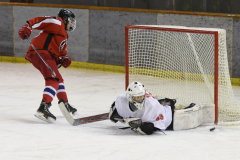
(52, 82)
(60, 80)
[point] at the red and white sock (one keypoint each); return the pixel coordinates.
(61, 93)
(51, 86)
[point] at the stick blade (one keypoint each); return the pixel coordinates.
(84, 120)
(66, 114)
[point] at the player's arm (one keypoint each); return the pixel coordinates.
(47, 24)
(65, 60)
(113, 114)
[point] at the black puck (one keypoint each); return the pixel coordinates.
(212, 129)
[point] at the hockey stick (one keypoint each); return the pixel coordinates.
(90, 119)
(83, 120)
(53, 73)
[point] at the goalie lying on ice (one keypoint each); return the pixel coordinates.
(145, 114)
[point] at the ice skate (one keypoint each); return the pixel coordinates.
(71, 110)
(44, 114)
(167, 101)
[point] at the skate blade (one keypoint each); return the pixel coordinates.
(41, 116)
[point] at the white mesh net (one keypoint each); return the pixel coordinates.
(181, 65)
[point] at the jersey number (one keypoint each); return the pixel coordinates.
(160, 117)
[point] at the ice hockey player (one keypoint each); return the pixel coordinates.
(51, 43)
(141, 111)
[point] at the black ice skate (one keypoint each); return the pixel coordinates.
(44, 114)
(167, 101)
(70, 109)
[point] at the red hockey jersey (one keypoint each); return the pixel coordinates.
(52, 38)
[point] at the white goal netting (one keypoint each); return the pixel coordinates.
(180, 64)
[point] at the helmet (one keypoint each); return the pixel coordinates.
(68, 16)
(136, 94)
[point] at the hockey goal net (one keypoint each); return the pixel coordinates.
(189, 64)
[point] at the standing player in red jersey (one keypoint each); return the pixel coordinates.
(51, 43)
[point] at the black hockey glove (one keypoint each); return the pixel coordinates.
(137, 125)
(114, 116)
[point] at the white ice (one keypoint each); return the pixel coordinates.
(24, 137)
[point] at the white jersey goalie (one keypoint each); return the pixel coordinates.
(141, 111)
(145, 114)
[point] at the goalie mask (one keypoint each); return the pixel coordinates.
(69, 17)
(136, 94)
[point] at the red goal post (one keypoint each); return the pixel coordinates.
(143, 43)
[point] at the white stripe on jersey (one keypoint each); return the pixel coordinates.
(48, 20)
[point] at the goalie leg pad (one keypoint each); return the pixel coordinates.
(208, 115)
(199, 114)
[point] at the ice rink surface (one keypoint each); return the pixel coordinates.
(24, 137)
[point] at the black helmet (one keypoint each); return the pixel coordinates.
(67, 15)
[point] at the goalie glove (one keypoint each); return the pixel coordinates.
(114, 116)
(137, 125)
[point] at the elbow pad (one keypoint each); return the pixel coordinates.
(113, 114)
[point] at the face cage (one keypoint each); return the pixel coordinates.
(73, 24)
(136, 99)
(138, 105)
